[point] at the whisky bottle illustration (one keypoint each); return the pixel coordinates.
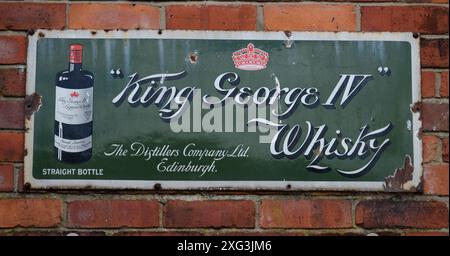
(73, 110)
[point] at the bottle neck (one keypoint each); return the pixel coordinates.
(74, 66)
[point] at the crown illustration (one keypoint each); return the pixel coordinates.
(74, 94)
(250, 58)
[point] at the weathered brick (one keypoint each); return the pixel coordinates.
(431, 146)
(436, 179)
(209, 214)
(160, 233)
(12, 82)
(211, 17)
(113, 16)
(260, 233)
(113, 213)
(422, 19)
(51, 233)
(21, 181)
(434, 117)
(369, 1)
(29, 233)
(443, 90)
(306, 214)
(23, 16)
(401, 214)
(428, 84)
(11, 146)
(30, 212)
(12, 114)
(445, 149)
(426, 234)
(6, 177)
(372, 1)
(310, 17)
(13, 49)
(434, 53)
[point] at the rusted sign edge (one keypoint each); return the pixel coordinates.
(393, 183)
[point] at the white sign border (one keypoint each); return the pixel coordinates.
(223, 185)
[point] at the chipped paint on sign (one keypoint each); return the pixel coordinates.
(318, 115)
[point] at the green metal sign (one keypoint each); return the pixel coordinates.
(223, 110)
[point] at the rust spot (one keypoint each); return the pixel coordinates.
(25, 152)
(316, 152)
(93, 32)
(398, 181)
(30, 32)
(288, 33)
(27, 186)
(416, 107)
(107, 30)
(157, 186)
(193, 58)
(41, 34)
(288, 186)
(32, 104)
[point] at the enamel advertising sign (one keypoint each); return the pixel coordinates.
(223, 110)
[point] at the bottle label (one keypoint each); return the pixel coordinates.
(73, 106)
(73, 146)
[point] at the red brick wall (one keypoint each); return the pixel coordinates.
(210, 213)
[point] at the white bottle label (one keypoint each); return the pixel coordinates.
(73, 106)
(73, 146)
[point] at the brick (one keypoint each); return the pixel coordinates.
(401, 214)
(23, 16)
(11, 146)
(428, 84)
(445, 149)
(29, 233)
(6, 177)
(21, 181)
(443, 89)
(422, 19)
(51, 233)
(113, 213)
(436, 179)
(310, 17)
(372, 1)
(261, 234)
(337, 232)
(209, 214)
(431, 146)
(12, 82)
(211, 17)
(306, 214)
(434, 53)
(150, 233)
(12, 49)
(434, 117)
(113, 16)
(426, 234)
(30, 212)
(12, 114)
